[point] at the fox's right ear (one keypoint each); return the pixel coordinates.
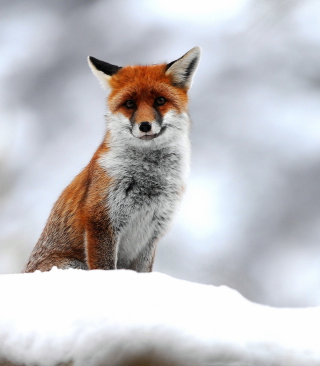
(102, 70)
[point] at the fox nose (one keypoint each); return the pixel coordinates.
(145, 126)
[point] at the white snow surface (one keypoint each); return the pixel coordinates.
(103, 317)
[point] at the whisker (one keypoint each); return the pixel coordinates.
(173, 126)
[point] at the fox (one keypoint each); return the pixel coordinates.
(112, 215)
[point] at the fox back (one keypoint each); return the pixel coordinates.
(115, 211)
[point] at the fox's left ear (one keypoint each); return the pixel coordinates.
(102, 70)
(183, 69)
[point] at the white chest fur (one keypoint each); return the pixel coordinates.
(148, 180)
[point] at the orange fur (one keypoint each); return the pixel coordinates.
(144, 84)
(76, 211)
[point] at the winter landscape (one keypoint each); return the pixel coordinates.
(250, 216)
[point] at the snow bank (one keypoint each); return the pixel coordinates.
(108, 317)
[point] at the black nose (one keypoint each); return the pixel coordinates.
(145, 126)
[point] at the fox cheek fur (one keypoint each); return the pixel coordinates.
(115, 211)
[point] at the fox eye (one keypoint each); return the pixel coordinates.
(130, 104)
(160, 101)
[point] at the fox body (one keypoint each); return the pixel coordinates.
(114, 212)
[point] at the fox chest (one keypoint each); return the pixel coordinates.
(142, 200)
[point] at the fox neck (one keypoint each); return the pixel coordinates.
(124, 148)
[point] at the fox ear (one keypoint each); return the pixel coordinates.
(102, 70)
(183, 69)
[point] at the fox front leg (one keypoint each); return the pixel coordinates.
(101, 250)
(145, 259)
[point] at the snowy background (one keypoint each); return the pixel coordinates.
(250, 218)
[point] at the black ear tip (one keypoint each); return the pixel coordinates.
(93, 60)
(105, 67)
(90, 60)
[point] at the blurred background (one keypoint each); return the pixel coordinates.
(250, 218)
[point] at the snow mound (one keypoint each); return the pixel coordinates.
(85, 318)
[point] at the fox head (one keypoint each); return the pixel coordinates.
(146, 102)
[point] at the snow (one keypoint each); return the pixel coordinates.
(106, 317)
(255, 133)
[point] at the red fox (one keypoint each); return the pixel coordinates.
(115, 211)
